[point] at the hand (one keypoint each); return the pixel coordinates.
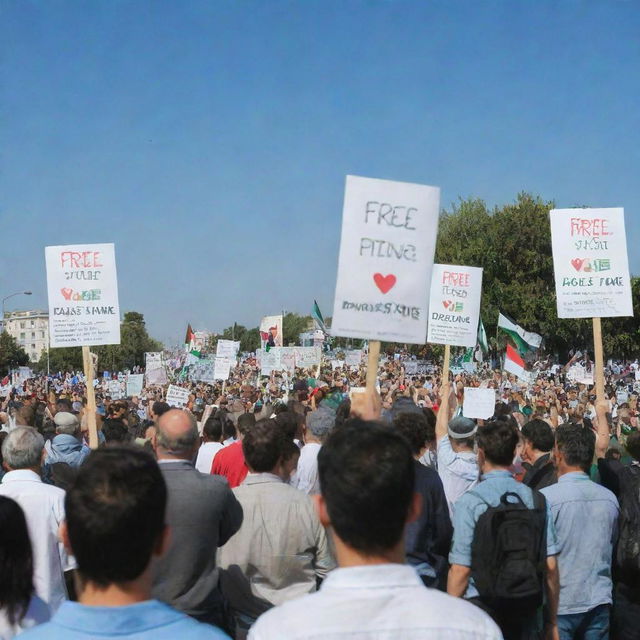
(367, 405)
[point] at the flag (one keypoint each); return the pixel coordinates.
(482, 337)
(317, 316)
(190, 337)
(524, 340)
(190, 346)
(513, 363)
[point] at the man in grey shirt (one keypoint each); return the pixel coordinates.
(202, 514)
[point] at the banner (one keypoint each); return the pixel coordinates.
(478, 403)
(134, 384)
(454, 305)
(411, 367)
(590, 263)
(177, 396)
(203, 371)
(307, 357)
(227, 349)
(271, 332)
(82, 287)
(386, 253)
(222, 368)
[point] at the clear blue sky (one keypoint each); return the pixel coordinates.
(210, 140)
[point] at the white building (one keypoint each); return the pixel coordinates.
(30, 329)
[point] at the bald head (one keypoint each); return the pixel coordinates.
(177, 435)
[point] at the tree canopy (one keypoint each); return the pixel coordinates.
(11, 353)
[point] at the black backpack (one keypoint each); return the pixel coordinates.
(628, 551)
(509, 552)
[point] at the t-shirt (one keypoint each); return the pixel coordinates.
(206, 454)
(229, 462)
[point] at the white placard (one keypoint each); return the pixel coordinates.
(478, 403)
(156, 376)
(227, 349)
(454, 305)
(638, 375)
(82, 286)
(134, 384)
(353, 358)
(411, 367)
(177, 396)
(202, 371)
(153, 360)
(307, 357)
(590, 263)
(222, 368)
(386, 253)
(114, 389)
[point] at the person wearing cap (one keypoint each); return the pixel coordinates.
(457, 461)
(319, 424)
(64, 451)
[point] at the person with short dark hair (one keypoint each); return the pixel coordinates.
(20, 607)
(367, 475)
(538, 443)
(585, 516)
(229, 462)
(212, 434)
(281, 549)
(497, 441)
(115, 527)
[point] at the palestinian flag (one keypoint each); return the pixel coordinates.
(513, 363)
(317, 316)
(524, 340)
(189, 344)
(482, 338)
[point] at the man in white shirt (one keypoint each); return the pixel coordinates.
(367, 477)
(43, 507)
(319, 424)
(211, 437)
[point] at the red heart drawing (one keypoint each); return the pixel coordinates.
(384, 283)
(446, 303)
(66, 292)
(577, 263)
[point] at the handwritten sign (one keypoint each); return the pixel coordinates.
(386, 253)
(307, 357)
(156, 376)
(202, 371)
(454, 305)
(134, 384)
(82, 287)
(478, 403)
(222, 368)
(227, 349)
(114, 389)
(590, 263)
(353, 358)
(177, 396)
(153, 360)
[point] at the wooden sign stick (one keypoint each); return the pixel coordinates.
(372, 364)
(599, 358)
(91, 397)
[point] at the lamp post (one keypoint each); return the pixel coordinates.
(17, 293)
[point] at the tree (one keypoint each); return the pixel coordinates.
(513, 246)
(61, 359)
(11, 353)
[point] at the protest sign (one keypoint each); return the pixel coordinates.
(271, 331)
(134, 384)
(307, 357)
(177, 396)
(222, 368)
(203, 371)
(454, 305)
(82, 286)
(411, 367)
(288, 359)
(478, 403)
(227, 349)
(386, 252)
(269, 361)
(156, 376)
(637, 375)
(153, 360)
(114, 389)
(590, 263)
(353, 358)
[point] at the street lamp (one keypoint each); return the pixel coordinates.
(17, 293)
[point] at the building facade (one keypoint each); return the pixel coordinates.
(30, 329)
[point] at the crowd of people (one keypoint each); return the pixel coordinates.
(298, 506)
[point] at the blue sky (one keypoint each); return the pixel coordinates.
(210, 140)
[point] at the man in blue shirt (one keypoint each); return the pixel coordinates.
(585, 516)
(497, 442)
(115, 526)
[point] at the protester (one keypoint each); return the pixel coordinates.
(65, 452)
(43, 507)
(367, 479)
(536, 453)
(281, 548)
(202, 514)
(115, 527)
(503, 522)
(212, 434)
(585, 517)
(20, 607)
(229, 462)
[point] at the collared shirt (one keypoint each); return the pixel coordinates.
(458, 471)
(43, 507)
(474, 503)
(385, 601)
(206, 454)
(306, 476)
(150, 619)
(586, 519)
(229, 462)
(281, 546)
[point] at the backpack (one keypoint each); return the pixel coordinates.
(628, 551)
(508, 554)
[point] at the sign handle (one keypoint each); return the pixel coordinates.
(445, 364)
(599, 358)
(91, 397)
(372, 364)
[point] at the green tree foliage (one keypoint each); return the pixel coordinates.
(513, 246)
(61, 359)
(11, 353)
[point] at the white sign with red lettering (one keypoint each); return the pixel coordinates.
(82, 284)
(454, 305)
(590, 263)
